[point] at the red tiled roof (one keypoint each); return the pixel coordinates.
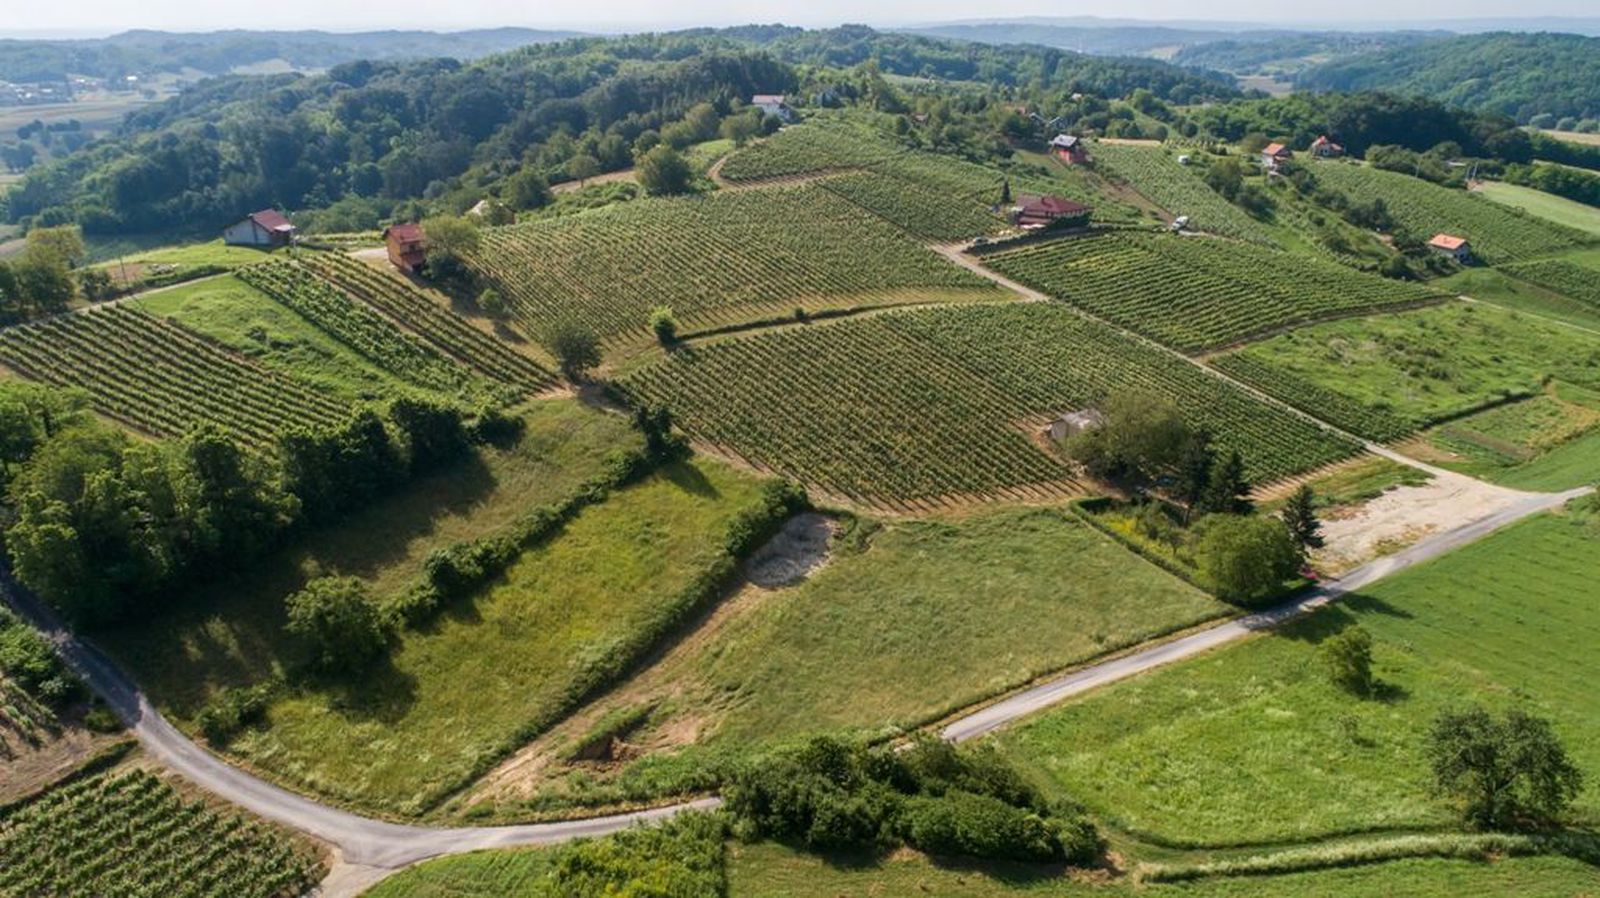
(766, 99)
(1053, 206)
(272, 220)
(1274, 149)
(1446, 241)
(408, 232)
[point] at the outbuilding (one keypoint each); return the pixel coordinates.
(773, 104)
(1069, 149)
(408, 250)
(1073, 423)
(1450, 245)
(1035, 212)
(267, 229)
(1273, 154)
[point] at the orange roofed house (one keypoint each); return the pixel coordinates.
(408, 251)
(1449, 245)
(1035, 212)
(1274, 153)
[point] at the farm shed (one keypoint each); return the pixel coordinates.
(773, 104)
(1034, 212)
(407, 246)
(267, 228)
(1073, 423)
(1450, 245)
(1274, 153)
(1069, 149)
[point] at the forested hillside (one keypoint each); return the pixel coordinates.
(1521, 75)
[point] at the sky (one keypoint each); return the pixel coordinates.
(87, 17)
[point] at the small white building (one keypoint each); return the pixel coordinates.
(267, 228)
(1450, 245)
(773, 104)
(1073, 423)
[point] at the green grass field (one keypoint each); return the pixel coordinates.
(239, 316)
(1494, 286)
(1548, 206)
(930, 616)
(1425, 365)
(1253, 744)
(463, 685)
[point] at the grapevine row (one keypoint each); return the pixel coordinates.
(1563, 277)
(1154, 171)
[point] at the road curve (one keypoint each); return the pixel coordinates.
(988, 719)
(385, 845)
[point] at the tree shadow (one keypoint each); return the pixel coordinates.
(691, 480)
(380, 693)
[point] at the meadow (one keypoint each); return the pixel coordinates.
(1495, 286)
(132, 833)
(1193, 294)
(927, 403)
(1154, 172)
(1417, 367)
(1559, 209)
(1560, 276)
(1498, 234)
(1253, 744)
(160, 378)
(715, 259)
(479, 681)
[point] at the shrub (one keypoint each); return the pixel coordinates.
(343, 627)
(664, 325)
(1348, 655)
(231, 710)
(1244, 560)
(963, 824)
(574, 346)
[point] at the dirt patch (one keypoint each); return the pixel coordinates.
(789, 557)
(1400, 517)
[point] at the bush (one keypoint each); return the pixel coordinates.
(343, 627)
(1245, 560)
(963, 824)
(664, 325)
(1348, 655)
(231, 710)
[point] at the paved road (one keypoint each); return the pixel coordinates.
(374, 843)
(1029, 701)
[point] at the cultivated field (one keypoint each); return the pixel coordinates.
(1498, 234)
(915, 208)
(133, 834)
(1254, 744)
(1495, 286)
(1154, 172)
(1567, 278)
(929, 403)
(1192, 293)
(161, 378)
(1548, 206)
(1376, 376)
(714, 259)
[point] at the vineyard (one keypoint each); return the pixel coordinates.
(1194, 293)
(162, 378)
(356, 326)
(132, 836)
(928, 403)
(1155, 173)
(1498, 234)
(715, 259)
(443, 330)
(1335, 408)
(25, 723)
(1566, 278)
(916, 209)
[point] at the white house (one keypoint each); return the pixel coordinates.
(773, 104)
(266, 228)
(1073, 423)
(1450, 245)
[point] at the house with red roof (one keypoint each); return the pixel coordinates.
(1035, 212)
(408, 250)
(267, 229)
(1324, 148)
(1274, 153)
(1450, 245)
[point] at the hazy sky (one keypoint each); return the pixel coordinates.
(106, 16)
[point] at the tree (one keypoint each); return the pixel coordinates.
(654, 422)
(96, 284)
(43, 283)
(1140, 436)
(1244, 560)
(664, 325)
(740, 128)
(449, 240)
(434, 434)
(491, 303)
(1300, 516)
(1005, 192)
(1502, 771)
(1226, 490)
(64, 242)
(1348, 655)
(575, 347)
(582, 167)
(1195, 463)
(341, 625)
(527, 189)
(663, 172)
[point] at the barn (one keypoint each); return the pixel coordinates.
(267, 228)
(408, 250)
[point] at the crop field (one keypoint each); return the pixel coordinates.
(1193, 293)
(1549, 441)
(132, 834)
(445, 331)
(1254, 744)
(929, 403)
(160, 377)
(1419, 367)
(818, 145)
(1498, 234)
(357, 326)
(1567, 278)
(1155, 172)
(24, 722)
(913, 207)
(714, 259)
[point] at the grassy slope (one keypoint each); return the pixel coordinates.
(230, 632)
(1496, 287)
(1253, 744)
(1548, 206)
(242, 317)
(1434, 361)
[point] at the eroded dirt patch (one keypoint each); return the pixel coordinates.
(789, 557)
(1401, 516)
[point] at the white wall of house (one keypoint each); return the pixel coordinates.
(247, 233)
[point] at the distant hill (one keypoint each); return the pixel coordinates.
(221, 52)
(1520, 75)
(1257, 52)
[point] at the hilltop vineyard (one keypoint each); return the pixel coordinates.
(162, 378)
(356, 326)
(1194, 293)
(133, 836)
(445, 331)
(714, 259)
(1154, 171)
(928, 403)
(1498, 234)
